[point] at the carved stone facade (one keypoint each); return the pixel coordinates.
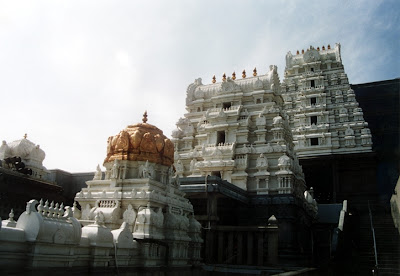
(324, 115)
(237, 130)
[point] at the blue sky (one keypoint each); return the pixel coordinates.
(73, 73)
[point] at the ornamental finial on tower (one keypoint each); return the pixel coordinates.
(25, 136)
(224, 77)
(213, 79)
(255, 72)
(144, 117)
(244, 74)
(234, 75)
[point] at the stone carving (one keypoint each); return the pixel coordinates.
(193, 165)
(145, 170)
(115, 170)
(260, 120)
(179, 168)
(98, 173)
(258, 84)
(140, 142)
(229, 86)
(86, 212)
(262, 162)
(284, 162)
(129, 215)
(191, 88)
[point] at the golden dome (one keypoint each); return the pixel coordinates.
(141, 142)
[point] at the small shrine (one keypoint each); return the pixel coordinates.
(139, 190)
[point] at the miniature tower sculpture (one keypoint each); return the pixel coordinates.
(324, 115)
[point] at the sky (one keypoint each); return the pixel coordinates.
(73, 73)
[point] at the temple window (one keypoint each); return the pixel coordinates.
(220, 137)
(258, 101)
(313, 100)
(312, 83)
(312, 69)
(314, 141)
(226, 105)
(313, 120)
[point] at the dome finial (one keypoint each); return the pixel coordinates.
(144, 117)
(26, 136)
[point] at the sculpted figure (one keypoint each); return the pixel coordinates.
(262, 161)
(129, 215)
(349, 131)
(171, 175)
(192, 165)
(98, 173)
(179, 168)
(122, 143)
(277, 120)
(114, 170)
(146, 170)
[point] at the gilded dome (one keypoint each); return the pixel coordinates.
(141, 142)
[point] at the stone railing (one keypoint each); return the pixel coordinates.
(243, 245)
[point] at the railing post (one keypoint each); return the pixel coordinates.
(221, 248)
(230, 254)
(273, 235)
(260, 248)
(239, 247)
(249, 248)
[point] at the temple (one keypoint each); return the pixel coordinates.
(260, 176)
(324, 115)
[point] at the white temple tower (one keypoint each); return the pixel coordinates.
(324, 115)
(236, 129)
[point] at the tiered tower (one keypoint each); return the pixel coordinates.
(323, 112)
(235, 129)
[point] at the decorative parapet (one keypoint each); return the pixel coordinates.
(49, 223)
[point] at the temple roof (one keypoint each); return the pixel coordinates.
(141, 142)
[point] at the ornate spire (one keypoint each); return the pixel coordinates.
(244, 74)
(234, 75)
(213, 79)
(144, 117)
(255, 72)
(224, 77)
(25, 136)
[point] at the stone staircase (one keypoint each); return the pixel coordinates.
(387, 241)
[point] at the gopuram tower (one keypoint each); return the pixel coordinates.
(236, 129)
(331, 137)
(235, 159)
(323, 112)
